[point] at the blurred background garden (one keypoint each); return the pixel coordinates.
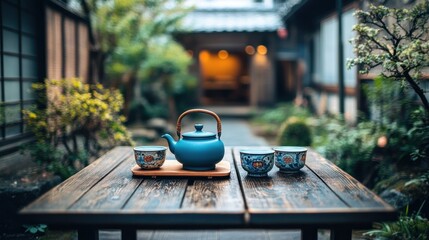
(347, 78)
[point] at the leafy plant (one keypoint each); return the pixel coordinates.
(414, 227)
(268, 121)
(395, 39)
(78, 122)
(166, 79)
(351, 148)
(280, 113)
(122, 33)
(295, 132)
(389, 102)
(37, 228)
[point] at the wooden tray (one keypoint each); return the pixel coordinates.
(172, 168)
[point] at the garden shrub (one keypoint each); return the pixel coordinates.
(408, 227)
(295, 132)
(389, 102)
(351, 148)
(268, 121)
(402, 56)
(280, 113)
(73, 122)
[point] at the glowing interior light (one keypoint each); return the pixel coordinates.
(261, 49)
(204, 55)
(249, 50)
(223, 54)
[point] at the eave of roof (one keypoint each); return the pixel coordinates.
(290, 7)
(232, 20)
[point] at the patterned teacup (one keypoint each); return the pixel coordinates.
(257, 162)
(290, 159)
(150, 157)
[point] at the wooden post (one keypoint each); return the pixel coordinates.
(129, 233)
(341, 97)
(308, 233)
(87, 234)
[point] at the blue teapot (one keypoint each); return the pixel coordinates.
(198, 150)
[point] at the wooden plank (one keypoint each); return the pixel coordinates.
(301, 202)
(64, 195)
(173, 168)
(282, 192)
(353, 193)
(216, 194)
(112, 192)
(157, 194)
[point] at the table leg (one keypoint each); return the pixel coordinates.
(309, 233)
(341, 233)
(129, 233)
(87, 234)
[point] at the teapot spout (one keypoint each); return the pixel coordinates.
(171, 142)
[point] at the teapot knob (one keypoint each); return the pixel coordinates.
(199, 127)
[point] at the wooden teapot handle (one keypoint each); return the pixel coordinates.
(198, 110)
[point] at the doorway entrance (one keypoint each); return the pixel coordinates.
(287, 80)
(225, 77)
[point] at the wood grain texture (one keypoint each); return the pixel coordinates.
(157, 194)
(353, 193)
(112, 192)
(311, 197)
(105, 193)
(282, 192)
(216, 194)
(173, 168)
(64, 195)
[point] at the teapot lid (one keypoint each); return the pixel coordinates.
(199, 133)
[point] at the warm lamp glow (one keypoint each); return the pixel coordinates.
(204, 55)
(223, 54)
(249, 50)
(262, 49)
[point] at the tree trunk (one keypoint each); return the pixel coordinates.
(420, 93)
(128, 80)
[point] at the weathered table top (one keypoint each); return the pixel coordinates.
(105, 194)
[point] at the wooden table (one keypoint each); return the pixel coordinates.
(106, 195)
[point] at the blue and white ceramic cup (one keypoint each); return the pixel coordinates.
(150, 157)
(257, 162)
(290, 159)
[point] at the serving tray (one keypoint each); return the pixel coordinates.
(172, 168)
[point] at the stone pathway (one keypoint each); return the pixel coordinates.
(235, 131)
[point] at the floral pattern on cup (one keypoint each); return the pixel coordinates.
(150, 157)
(257, 163)
(290, 159)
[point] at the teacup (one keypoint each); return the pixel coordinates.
(150, 157)
(257, 162)
(290, 159)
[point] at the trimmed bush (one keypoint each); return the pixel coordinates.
(295, 132)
